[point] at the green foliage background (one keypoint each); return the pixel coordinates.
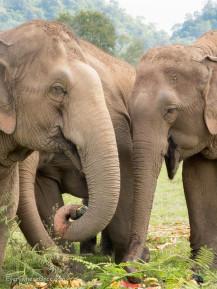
(131, 36)
(196, 24)
(93, 26)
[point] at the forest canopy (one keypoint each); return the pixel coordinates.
(115, 30)
(196, 24)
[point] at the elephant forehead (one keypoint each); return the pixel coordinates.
(167, 54)
(39, 37)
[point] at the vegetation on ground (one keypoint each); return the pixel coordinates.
(170, 266)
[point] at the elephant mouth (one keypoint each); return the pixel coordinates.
(172, 158)
(72, 153)
(69, 149)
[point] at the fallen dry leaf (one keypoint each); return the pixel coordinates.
(40, 285)
(116, 284)
(76, 283)
(23, 286)
(73, 283)
(151, 282)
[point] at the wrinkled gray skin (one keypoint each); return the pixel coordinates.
(173, 111)
(117, 78)
(42, 72)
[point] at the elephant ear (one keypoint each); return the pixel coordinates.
(210, 95)
(7, 109)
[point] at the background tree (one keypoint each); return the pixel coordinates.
(196, 24)
(92, 26)
(130, 33)
(133, 35)
(132, 51)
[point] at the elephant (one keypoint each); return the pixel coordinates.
(42, 72)
(173, 111)
(118, 79)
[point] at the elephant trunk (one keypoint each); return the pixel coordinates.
(99, 158)
(148, 153)
(30, 221)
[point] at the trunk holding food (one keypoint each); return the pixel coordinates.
(101, 168)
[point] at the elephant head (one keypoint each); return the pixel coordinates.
(52, 100)
(174, 115)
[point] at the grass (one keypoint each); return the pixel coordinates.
(168, 241)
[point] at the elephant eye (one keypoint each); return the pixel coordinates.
(57, 92)
(171, 110)
(171, 114)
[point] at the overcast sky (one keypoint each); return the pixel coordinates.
(164, 13)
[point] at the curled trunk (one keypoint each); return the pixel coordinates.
(101, 167)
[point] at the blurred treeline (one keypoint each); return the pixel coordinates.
(107, 25)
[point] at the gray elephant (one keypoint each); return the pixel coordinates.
(117, 78)
(42, 73)
(174, 115)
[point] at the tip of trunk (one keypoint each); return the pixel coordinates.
(65, 216)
